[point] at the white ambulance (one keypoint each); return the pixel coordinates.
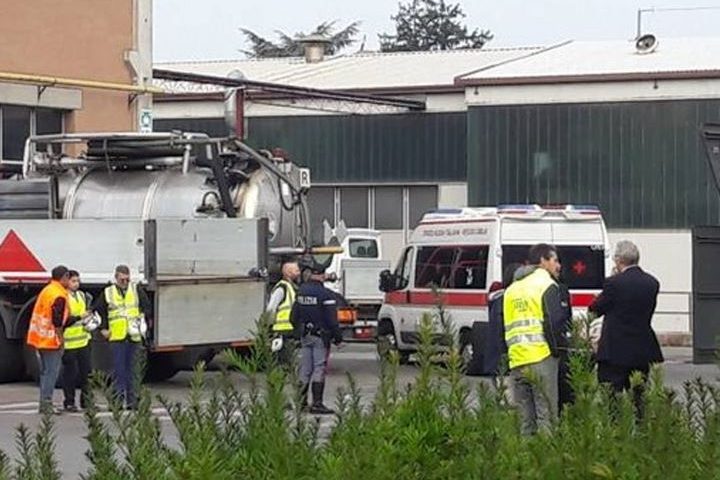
(456, 257)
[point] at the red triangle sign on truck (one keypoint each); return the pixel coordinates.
(15, 256)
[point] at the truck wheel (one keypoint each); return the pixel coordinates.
(160, 367)
(11, 357)
(387, 343)
(30, 361)
(471, 347)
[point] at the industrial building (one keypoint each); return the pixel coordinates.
(372, 166)
(577, 122)
(56, 78)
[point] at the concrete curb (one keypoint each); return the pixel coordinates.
(675, 339)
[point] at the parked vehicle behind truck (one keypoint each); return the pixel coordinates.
(200, 221)
(456, 257)
(356, 271)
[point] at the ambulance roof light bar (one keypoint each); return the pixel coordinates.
(457, 213)
(570, 211)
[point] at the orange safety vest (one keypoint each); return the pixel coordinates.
(42, 334)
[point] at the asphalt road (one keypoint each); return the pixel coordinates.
(18, 402)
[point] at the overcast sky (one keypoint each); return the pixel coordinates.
(208, 29)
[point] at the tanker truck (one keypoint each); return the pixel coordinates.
(202, 223)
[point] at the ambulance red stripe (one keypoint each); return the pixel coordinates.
(463, 299)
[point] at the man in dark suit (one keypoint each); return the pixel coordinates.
(628, 342)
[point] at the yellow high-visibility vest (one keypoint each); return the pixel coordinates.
(282, 315)
(523, 319)
(121, 311)
(75, 336)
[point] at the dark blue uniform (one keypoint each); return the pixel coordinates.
(314, 316)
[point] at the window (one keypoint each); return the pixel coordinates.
(15, 130)
(354, 206)
(421, 199)
(389, 208)
(363, 248)
(583, 267)
(402, 271)
(321, 203)
(48, 121)
(455, 267)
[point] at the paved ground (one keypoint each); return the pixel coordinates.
(18, 403)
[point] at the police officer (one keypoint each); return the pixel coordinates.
(314, 316)
(282, 299)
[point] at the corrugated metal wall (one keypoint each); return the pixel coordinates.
(643, 163)
(360, 148)
(371, 148)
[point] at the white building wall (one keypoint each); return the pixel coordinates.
(666, 254)
(452, 195)
(592, 92)
(435, 103)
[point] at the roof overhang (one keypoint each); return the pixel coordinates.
(268, 90)
(587, 78)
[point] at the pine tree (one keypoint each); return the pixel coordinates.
(423, 25)
(291, 46)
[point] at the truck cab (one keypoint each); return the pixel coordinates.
(356, 270)
(456, 257)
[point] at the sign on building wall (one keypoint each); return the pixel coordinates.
(146, 120)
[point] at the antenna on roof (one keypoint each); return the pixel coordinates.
(640, 12)
(362, 45)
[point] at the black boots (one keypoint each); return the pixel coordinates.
(318, 408)
(304, 397)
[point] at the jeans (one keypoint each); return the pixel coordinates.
(49, 362)
(535, 391)
(124, 353)
(76, 370)
(313, 359)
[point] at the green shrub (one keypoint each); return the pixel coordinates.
(436, 427)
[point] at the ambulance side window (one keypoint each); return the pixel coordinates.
(452, 266)
(402, 271)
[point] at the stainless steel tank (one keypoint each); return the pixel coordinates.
(263, 196)
(142, 194)
(169, 193)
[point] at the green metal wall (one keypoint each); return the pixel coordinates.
(413, 147)
(642, 162)
(370, 148)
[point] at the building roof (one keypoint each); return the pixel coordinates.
(588, 61)
(402, 71)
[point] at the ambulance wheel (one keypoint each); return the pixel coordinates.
(471, 343)
(11, 357)
(387, 343)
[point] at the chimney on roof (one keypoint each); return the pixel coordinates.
(314, 47)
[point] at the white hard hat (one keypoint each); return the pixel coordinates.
(277, 344)
(91, 323)
(137, 327)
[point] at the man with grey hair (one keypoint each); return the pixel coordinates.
(627, 342)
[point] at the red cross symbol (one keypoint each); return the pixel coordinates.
(579, 268)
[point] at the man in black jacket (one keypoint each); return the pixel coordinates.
(495, 355)
(627, 342)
